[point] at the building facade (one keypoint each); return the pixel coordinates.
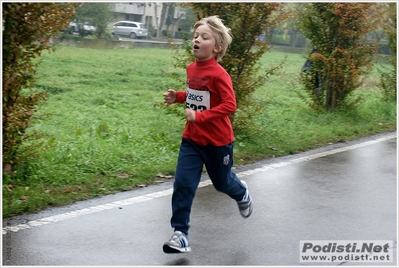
(148, 13)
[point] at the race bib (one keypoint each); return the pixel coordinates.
(198, 100)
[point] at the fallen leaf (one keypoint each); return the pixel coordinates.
(24, 197)
(68, 191)
(164, 176)
(123, 175)
(26, 188)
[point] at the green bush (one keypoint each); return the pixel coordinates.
(27, 29)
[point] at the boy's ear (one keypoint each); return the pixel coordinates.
(218, 49)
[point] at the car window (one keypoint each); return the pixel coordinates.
(130, 24)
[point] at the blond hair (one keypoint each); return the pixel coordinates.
(222, 34)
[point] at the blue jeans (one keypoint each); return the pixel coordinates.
(218, 161)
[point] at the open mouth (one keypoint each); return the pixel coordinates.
(196, 47)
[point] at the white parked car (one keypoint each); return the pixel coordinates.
(130, 28)
(74, 27)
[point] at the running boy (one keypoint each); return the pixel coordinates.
(208, 135)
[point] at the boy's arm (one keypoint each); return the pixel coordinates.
(181, 96)
(227, 105)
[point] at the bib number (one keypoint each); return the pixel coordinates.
(198, 100)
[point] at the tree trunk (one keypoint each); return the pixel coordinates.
(328, 93)
(293, 37)
(164, 12)
(176, 25)
(156, 17)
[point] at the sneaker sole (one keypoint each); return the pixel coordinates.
(169, 249)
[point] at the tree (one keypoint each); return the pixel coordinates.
(96, 14)
(288, 25)
(247, 22)
(164, 13)
(171, 21)
(338, 31)
(185, 25)
(27, 29)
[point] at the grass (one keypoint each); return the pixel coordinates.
(102, 133)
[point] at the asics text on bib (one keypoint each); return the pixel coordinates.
(198, 100)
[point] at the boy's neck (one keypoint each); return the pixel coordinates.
(205, 62)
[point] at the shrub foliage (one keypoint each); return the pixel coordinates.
(388, 76)
(338, 31)
(27, 29)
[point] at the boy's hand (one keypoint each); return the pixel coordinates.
(169, 97)
(190, 115)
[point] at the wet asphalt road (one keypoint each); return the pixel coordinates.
(346, 191)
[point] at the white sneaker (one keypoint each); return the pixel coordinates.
(178, 243)
(245, 206)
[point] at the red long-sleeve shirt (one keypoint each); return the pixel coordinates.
(209, 92)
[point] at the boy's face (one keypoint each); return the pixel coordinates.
(204, 43)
